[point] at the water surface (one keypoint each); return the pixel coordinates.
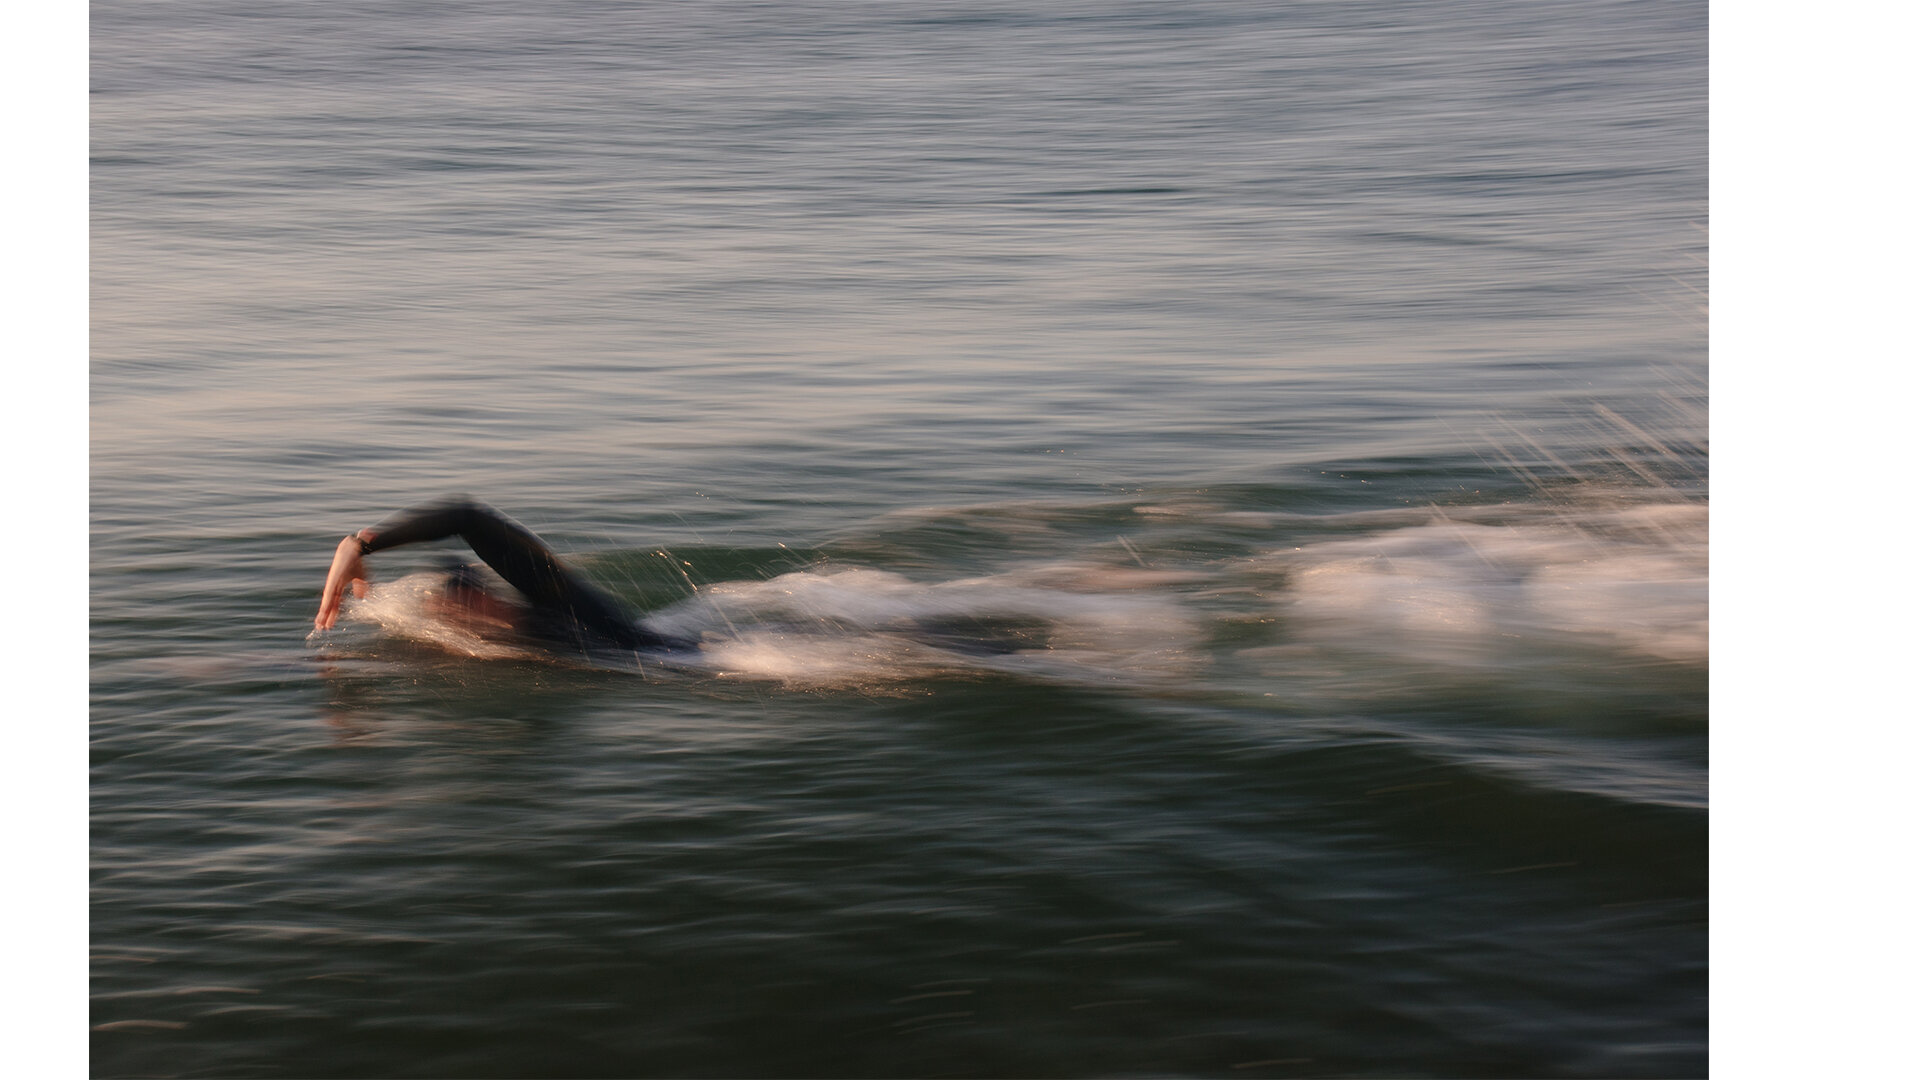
(1196, 515)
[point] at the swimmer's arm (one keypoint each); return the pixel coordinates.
(347, 569)
(421, 523)
(507, 546)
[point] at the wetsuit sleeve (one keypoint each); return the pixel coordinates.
(518, 556)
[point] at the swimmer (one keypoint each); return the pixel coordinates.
(558, 606)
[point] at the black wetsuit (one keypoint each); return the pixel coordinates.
(564, 607)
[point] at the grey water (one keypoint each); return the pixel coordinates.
(1195, 515)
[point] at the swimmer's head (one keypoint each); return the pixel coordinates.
(463, 578)
(465, 598)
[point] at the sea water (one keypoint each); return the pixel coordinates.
(1195, 514)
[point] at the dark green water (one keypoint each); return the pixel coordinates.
(1196, 517)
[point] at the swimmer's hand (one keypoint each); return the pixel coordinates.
(347, 569)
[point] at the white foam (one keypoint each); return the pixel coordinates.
(835, 627)
(1460, 591)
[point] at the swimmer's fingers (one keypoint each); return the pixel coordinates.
(347, 569)
(329, 611)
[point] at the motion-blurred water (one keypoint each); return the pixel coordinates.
(1196, 513)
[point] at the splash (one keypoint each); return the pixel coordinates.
(1461, 590)
(1067, 621)
(869, 629)
(414, 608)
